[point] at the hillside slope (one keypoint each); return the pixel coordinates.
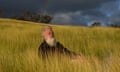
(19, 42)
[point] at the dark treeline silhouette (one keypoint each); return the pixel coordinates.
(115, 25)
(46, 18)
(1, 12)
(95, 24)
(34, 17)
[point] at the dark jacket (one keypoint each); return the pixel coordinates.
(45, 50)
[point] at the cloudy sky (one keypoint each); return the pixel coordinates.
(75, 12)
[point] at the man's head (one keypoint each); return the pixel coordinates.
(48, 35)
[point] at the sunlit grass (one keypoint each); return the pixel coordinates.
(19, 42)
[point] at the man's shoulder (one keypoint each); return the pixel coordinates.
(58, 44)
(43, 44)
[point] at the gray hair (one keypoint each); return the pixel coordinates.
(46, 27)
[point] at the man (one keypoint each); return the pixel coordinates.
(50, 46)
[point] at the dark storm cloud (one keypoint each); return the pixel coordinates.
(19, 6)
(115, 18)
(106, 12)
(74, 5)
(52, 5)
(67, 11)
(93, 12)
(79, 17)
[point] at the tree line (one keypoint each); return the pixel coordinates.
(96, 24)
(34, 17)
(45, 18)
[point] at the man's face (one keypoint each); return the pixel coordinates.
(48, 34)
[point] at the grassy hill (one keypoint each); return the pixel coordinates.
(19, 42)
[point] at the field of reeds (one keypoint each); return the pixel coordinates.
(19, 42)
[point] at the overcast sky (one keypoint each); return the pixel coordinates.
(76, 12)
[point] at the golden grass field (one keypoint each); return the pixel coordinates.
(19, 42)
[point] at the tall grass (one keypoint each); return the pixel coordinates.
(19, 42)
